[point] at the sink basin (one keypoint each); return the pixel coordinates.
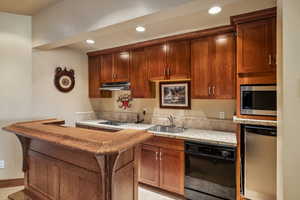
(112, 123)
(168, 129)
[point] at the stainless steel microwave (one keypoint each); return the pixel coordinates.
(258, 100)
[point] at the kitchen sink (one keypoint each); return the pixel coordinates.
(166, 129)
(112, 123)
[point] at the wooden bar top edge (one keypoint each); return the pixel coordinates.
(92, 141)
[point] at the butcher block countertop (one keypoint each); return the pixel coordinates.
(92, 141)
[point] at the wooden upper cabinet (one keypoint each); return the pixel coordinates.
(178, 60)
(172, 170)
(201, 68)
(169, 61)
(149, 165)
(115, 67)
(106, 68)
(121, 66)
(256, 46)
(223, 66)
(213, 67)
(156, 61)
(95, 78)
(140, 86)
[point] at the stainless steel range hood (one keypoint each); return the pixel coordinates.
(115, 86)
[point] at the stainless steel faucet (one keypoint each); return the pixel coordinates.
(171, 119)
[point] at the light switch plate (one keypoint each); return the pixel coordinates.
(222, 115)
(2, 164)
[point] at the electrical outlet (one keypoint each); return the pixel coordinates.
(2, 164)
(222, 115)
(144, 111)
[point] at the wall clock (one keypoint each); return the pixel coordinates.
(64, 79)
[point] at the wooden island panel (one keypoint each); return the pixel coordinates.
(65, 163)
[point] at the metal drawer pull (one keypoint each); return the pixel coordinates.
(160, 156)
(270, 59)
(209, 91)
(156, 156)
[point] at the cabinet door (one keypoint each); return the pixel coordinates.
(201, 68)
(255, 47)
(149, 165)
(223, 63)
(94, 77)
(156, 61)
(140, 86)
(106, 68)
(121, 66)
(178, 60)
(172, 170)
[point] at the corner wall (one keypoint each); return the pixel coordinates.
(289, 101)
(15, 87)
(48, 102)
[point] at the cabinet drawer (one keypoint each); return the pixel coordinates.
(164, 142)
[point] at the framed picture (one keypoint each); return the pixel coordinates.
(175, 95)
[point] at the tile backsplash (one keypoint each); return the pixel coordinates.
(180, 120)
(204, 113)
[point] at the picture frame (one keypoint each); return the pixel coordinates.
(175, 95)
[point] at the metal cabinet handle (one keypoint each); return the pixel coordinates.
(160, 156)
(209, 90)
(270, 59)
(156, 156)
(213, 90)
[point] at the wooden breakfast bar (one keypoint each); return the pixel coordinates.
(67, 163)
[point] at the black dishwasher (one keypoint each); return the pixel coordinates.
(210, 171)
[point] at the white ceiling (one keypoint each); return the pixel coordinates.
(186, 18)
(24, 7)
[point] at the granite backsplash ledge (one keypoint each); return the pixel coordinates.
(181, 120)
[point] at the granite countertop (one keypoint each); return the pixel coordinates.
(198, 135)
(254, 121)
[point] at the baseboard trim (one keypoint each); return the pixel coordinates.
(11, 182)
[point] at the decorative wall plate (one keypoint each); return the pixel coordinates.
(64, 79)
(125, 101)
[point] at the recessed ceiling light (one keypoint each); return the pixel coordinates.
(214, 10)
(140, 29)
(90, 41)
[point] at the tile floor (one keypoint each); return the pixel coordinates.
(145, 193)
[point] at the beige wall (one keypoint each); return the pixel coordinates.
(289, 102)
(47, 100)
(15, 86)
(279, 103)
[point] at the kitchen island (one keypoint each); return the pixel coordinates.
(70, 163)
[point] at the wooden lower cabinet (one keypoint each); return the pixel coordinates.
(163, 167)
(172, 170)
(149, 165)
